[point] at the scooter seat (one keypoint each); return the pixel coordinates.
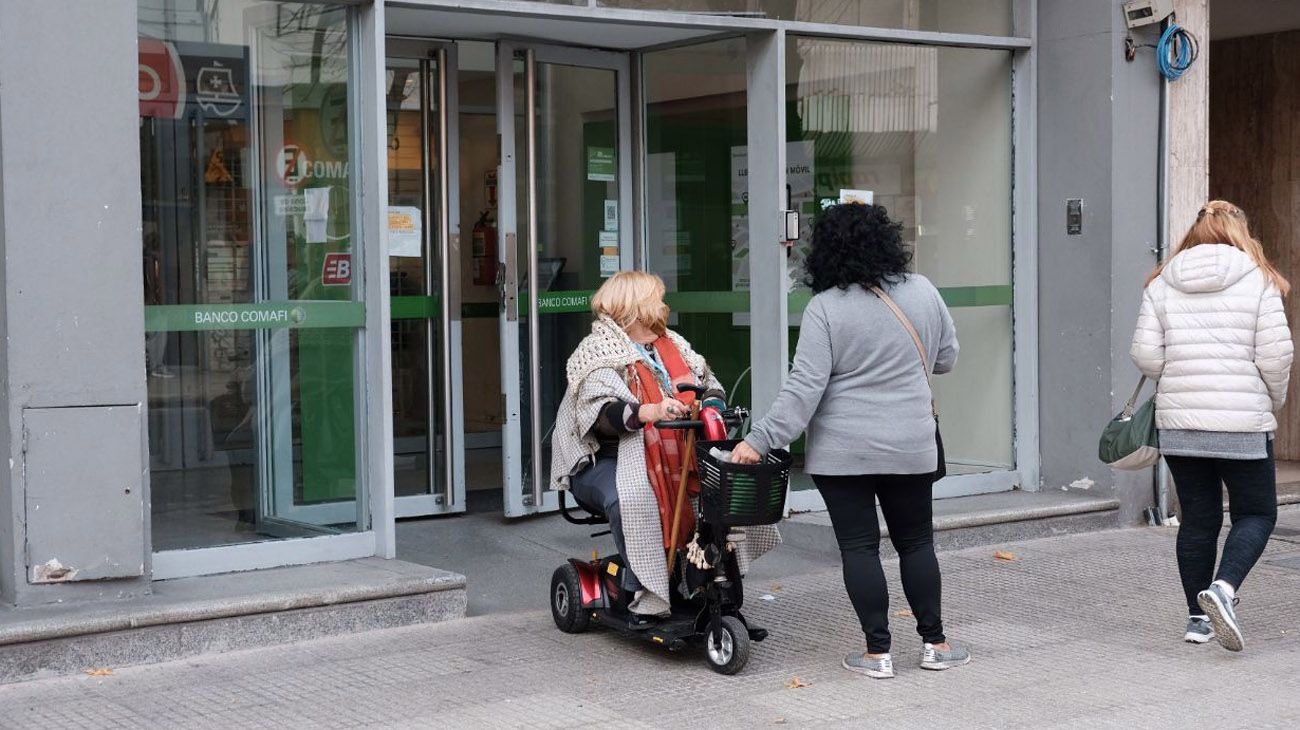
(597, 516)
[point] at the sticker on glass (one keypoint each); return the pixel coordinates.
(861, 197)
(611, 215)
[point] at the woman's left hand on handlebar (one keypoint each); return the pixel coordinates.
(745, 454)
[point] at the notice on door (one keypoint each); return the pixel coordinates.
(601, 165)
(405, 231)
(861, 197)
(608, 266)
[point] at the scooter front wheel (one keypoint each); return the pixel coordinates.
(566, 601)
(726, 648)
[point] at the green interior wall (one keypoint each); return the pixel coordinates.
(324, 358)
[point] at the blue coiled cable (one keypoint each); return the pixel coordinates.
(1176, 51)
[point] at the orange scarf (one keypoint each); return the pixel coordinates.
(665, 455)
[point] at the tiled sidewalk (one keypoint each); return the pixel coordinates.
(1079, 631)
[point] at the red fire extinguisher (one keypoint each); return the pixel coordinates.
(484, 248)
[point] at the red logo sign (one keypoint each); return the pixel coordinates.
(162, 80)
(292, 165)
(337, 270)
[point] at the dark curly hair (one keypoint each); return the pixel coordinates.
(855, 244)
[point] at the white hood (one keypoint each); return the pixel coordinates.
(1209, 267)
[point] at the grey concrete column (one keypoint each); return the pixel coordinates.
(74, 498)
(769, 330)
(1098, 131)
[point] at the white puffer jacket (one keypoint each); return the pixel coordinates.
(1213, 332)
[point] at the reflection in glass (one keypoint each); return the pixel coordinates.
(246, 179)
(695, 216)
(577, 245)
(985, 17)
(927, 132)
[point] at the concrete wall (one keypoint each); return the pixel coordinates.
(70, 231)
(1097, 121)
(8, 496)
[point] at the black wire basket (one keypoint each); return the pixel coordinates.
(742, 494)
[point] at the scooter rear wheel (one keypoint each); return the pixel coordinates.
(726, 648)
(566, 601)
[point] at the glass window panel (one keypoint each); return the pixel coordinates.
(577, 177)
(413, 134)
(695, 214)
(927, 131)
(984, 17)
(251, 285)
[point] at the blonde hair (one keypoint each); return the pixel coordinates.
(633, 296)
(1222, 222)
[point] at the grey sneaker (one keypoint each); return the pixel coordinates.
(934, 658)
(882, 668)
(1199, 630)
(1216, 604)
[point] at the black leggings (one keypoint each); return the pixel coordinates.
(1252, 501)
(905, 502)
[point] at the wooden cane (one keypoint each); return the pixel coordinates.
(681, 490)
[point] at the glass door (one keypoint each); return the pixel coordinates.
(566, 221)
(423, 246)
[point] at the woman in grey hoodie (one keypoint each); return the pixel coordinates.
(858, 388)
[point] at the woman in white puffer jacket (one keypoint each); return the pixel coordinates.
(1213, 332)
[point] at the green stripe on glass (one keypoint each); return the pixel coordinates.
(686, 302)
(266, 315)
(408, 307)
(413, 307)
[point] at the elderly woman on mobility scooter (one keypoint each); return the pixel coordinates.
(606, 451)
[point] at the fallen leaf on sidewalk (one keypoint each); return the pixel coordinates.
(780, 721)
(776, 587)
(796, 683)
(102, 672)
(1005, 556)
(904, 613)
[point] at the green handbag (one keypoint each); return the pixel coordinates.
(1130, 441)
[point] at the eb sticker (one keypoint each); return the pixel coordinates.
(337, 270)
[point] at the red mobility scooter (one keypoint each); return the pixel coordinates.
(706, 594)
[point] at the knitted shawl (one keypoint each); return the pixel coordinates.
(599, 372)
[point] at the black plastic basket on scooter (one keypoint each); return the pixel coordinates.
(742, 494)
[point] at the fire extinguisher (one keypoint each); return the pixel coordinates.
(484, 248)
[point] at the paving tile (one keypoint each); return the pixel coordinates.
(1081, 631)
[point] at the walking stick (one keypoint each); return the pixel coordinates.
(681, 490)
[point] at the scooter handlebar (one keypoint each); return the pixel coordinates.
(679, 425)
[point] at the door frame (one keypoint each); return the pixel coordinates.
(515, 478)
(441, 169)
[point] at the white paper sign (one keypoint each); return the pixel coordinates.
(316, 214)
(609, 239)
(863, 197)
(405, 231)
(608, 266)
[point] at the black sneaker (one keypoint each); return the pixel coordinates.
(1216, 604)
